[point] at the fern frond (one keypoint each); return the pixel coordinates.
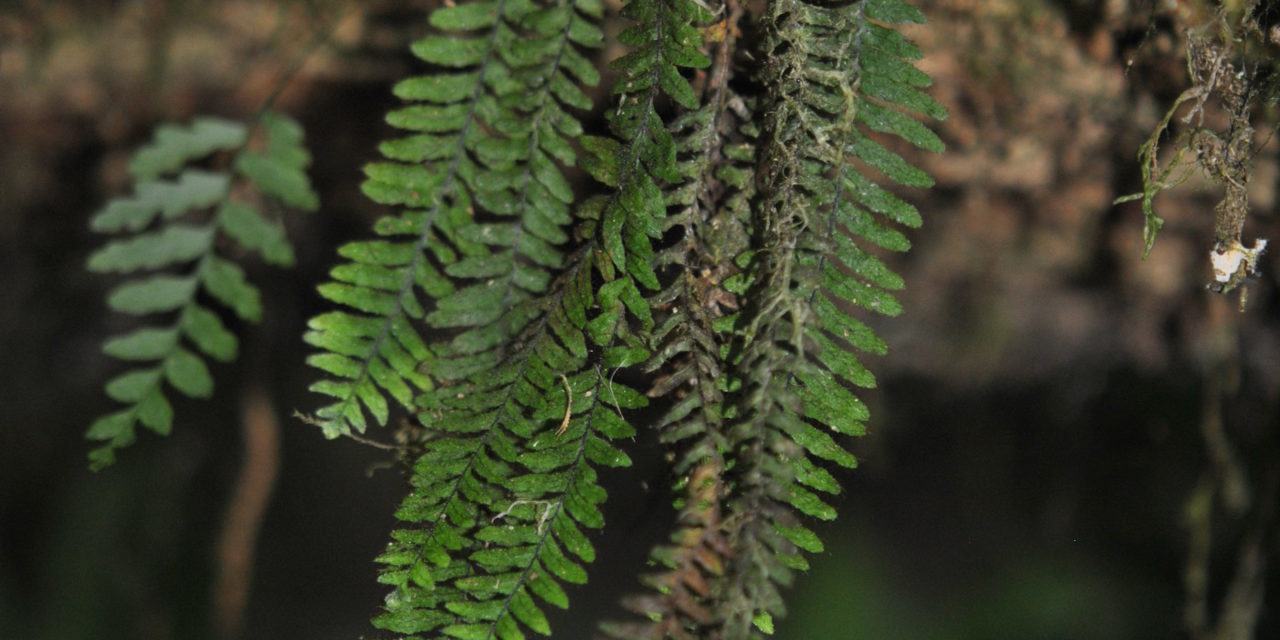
(837, 77)
(523, 410)
(641, 158)
(711, 207)
(526, 409)
(504, 491)
(177, 213)
(485, 201)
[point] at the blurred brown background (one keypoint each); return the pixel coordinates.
(1035, 436)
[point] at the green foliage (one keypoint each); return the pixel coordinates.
(521, 400)
(500, 311)
(485, 205)
(534, 321)
(731, 239)
(835, 76)
(175, 220)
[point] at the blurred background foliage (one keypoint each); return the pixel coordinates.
(1035, 436)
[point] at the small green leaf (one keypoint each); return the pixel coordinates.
(277, 179)
(225, 281)
(195, 189)
(469, 631)
(465, 17)
(802, 537)
(155, 294)
(478, 610)
(133, 386)
(810, 504)
(602, 159)
(173, 245)
(155, 413)
(677, 87)
(360, 298)
(602, 453)
(441, 88)
(117, 427)
(450, 51)
(763, 621)
(547, 589)
(206, 331)
(894, 12)
(421, 576)
(142, 344)
(1150, 227)
(525, 610)
(188, 374)
(175, 145)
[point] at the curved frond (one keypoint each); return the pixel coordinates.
(506, 489)
(485, 202)
(711, 207)
(174, 219)
(838, 79)
(641, 157)
(526, 404)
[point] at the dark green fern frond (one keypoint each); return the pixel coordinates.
(711, 207)
(522, 407)
(641, 158)
(504, 491)
(176, 215)
(837, 78)
(527, 406)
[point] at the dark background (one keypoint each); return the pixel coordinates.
(1035, 434)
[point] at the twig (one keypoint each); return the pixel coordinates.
(316, 422)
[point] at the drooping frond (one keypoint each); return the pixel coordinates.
(711, 208)
(641, 157)
(507, 487)
(526, 403)
(482, 195)
(517, 417)
(175, 218)
(837, 80)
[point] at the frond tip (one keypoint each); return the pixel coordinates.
(176, 216)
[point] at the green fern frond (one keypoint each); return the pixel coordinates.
(485, 202)
(503, 494)
(711, 207)
(837, 78)
(526, 408)
(522, 408)
(176, 215)
(746, 320)
(641, 158)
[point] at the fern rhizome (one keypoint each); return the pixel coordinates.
(713, 269)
